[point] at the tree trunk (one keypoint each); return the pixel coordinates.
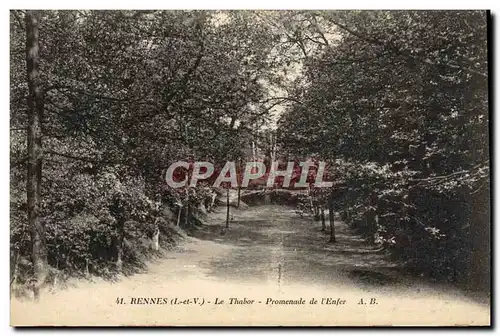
(179, 216)
(117, 243)
(240, 180)
(119, 256)
(87, 268)
(311, 203)
(155, 243)
(33, 187)
(156, 240)
(331, 218)
(372, 218)
(267, 196)
(15, 268)
(227, 205)
(119, 251)
(212, 203)
(239, 194)
(186, 214)
(323, 224)
(253, 152)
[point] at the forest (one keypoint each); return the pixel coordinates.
(103, 102)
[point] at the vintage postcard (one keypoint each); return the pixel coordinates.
(249, 168)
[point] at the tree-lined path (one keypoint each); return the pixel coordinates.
(390, 107)
(268, 252)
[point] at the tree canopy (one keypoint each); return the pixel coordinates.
(396, 102)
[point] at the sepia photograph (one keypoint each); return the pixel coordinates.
(221, 168)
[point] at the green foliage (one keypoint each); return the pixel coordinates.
(126, 93)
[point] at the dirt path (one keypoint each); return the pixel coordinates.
(268, 253)
(276, 244)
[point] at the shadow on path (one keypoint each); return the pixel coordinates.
(274, 244)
